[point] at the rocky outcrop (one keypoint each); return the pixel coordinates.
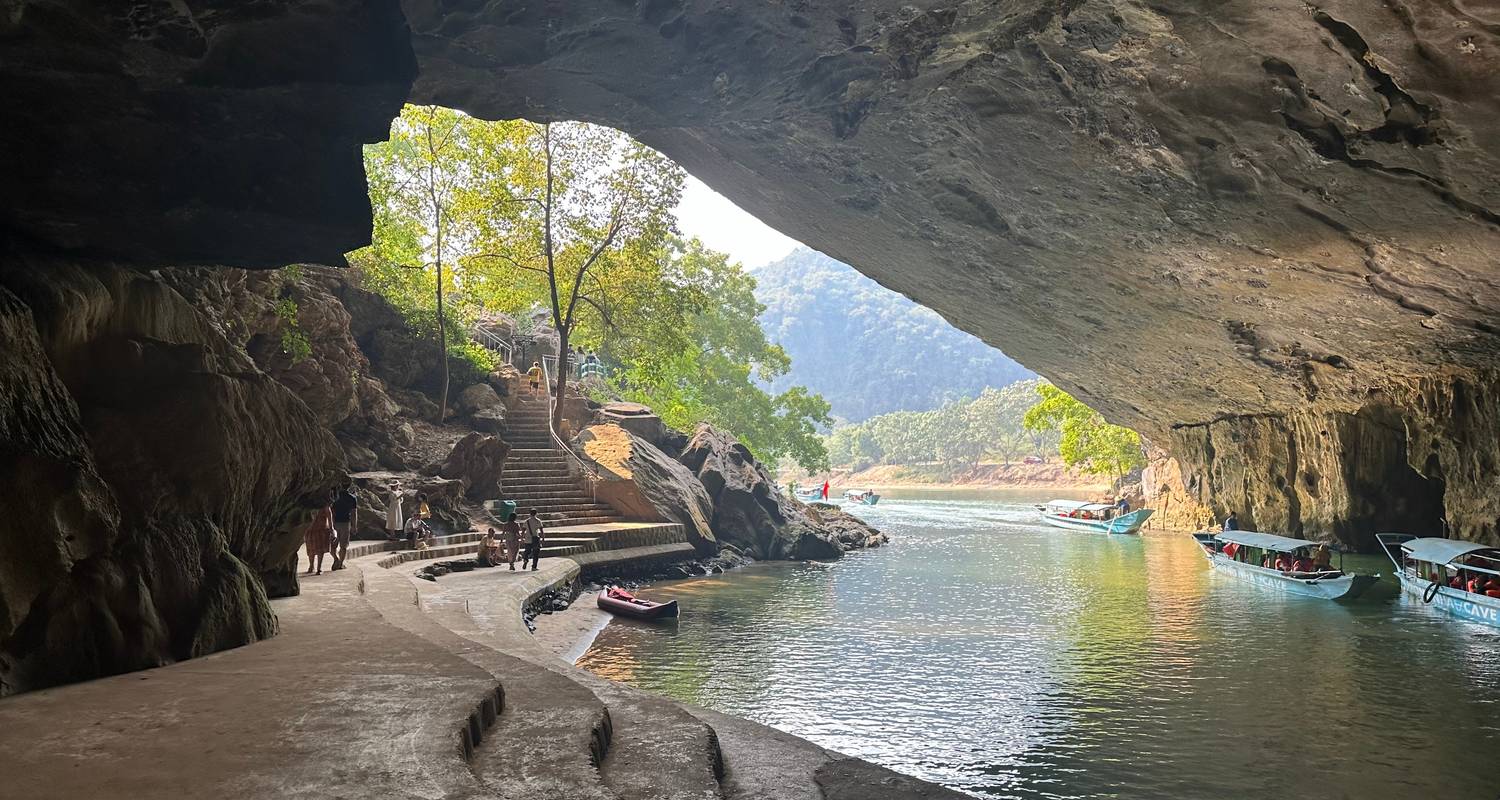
(476, 461)
(851, 532)
(644, 483)
(749, 512)
(158, 476)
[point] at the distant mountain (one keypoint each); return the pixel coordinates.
(865, 348)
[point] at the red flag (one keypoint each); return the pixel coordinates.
(1230, 549)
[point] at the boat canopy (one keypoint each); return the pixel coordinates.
(1440, 551)
(1265, 541)
(1078, 505)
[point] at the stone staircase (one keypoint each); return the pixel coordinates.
(536, 474)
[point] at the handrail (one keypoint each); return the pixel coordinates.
(489, 340)
(590, 474)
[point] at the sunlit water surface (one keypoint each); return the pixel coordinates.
(988, 653)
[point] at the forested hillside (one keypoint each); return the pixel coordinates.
(868, 350)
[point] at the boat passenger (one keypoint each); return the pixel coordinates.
(1231, 522)
(1457, 581)
(1492, 589)
(1322, 559)
(1123, 505)
(1301, 564)
(1476, 584)
(1283, 563)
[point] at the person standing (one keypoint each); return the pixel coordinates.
(319, 533)
(1231, 522)
(395, 521)
(825, 491)
(535, 532)
(345, 511)
(512, 531)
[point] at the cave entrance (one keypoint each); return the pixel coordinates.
(1385, 492)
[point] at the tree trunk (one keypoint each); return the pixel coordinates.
(561, 391)
(442, 336)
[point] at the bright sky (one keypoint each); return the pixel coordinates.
(722, 226)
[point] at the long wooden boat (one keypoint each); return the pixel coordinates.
(1092, 517)
(816, 495)
(619, 601)
(866, 496)
(1240, 554)
(1425, 565)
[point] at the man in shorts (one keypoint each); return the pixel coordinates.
(535, 376)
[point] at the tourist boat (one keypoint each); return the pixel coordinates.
(1094, 517)
(866, 496)
(1240, 554)
(619, 601)
(1423, 565)
(812, 496)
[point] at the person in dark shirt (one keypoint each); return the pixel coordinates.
(345, 509)
(1231, 522)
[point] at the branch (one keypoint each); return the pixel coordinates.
(512, 262)
(609, 321)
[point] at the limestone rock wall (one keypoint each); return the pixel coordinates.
(157, 477)
(1233, 225)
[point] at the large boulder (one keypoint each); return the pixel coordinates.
(477, 460)
(748, 510)
(478, 397)
(851, 532)
(644, 483)
(636, 418)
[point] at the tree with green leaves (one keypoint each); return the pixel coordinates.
(417, 186)
(714, 363)
(1085, 439)
(576, 214)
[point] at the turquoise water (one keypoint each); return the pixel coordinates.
(985, 652)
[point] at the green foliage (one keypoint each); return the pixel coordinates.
(865, 348)
(1086, 440)
(577, 219)
(958, 435)
(294, 341)
(708, 360)
(470, 362)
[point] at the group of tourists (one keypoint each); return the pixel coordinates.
(333, 523)
(330, 529)
(1475, 583)
(502, 547)
(1321, 560)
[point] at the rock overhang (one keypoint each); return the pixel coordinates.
(1184, 212)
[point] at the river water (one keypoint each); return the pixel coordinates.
(988, 653)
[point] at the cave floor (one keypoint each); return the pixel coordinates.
(341, 703)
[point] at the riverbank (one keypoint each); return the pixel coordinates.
(986, 476)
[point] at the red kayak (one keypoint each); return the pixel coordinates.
(619, 601)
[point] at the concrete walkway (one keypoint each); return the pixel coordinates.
(340, 704)
(381, 685)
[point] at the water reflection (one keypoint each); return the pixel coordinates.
(987, 653)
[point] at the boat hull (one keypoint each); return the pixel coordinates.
(625, 608)
(1344, 587)
(1474, 608)
(1126, 523)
